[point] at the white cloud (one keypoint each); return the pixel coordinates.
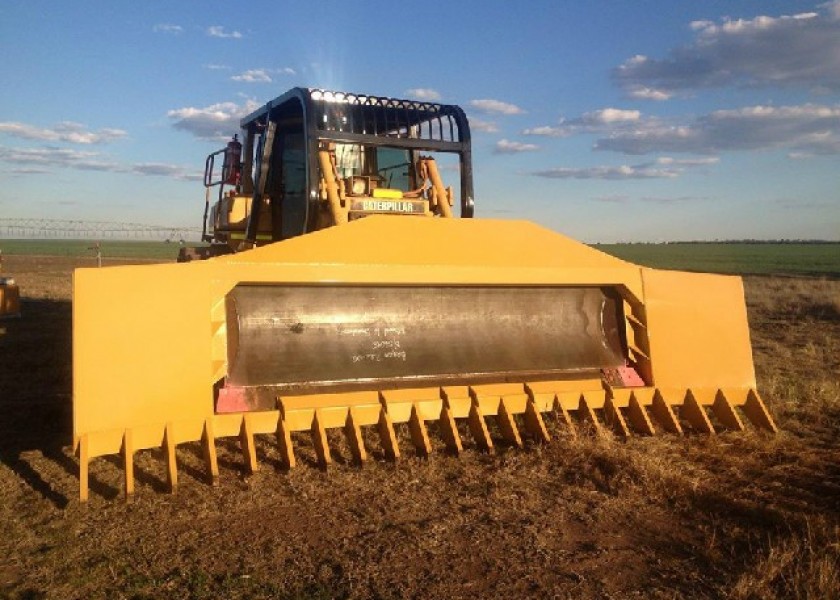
(641, 92)
(215, 67)
(262, 75)
(496, 107)
(30, 171)
(427, 94)
(549, 131)
(804, 129)
(215, 122)
(38, 161)
(155, 169)
(509, 147)
(698, 25)
(609, 172)
(477, 124)
(665, 167)
(167, 28)
(799, 50)
(604, 119)
(219, 32)
(45, 156)
(253, 76)
(607, 116)
(688, 162)
(66, 131)
(165, 170)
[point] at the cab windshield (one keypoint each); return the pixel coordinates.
(390, 167)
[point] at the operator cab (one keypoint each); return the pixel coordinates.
(311, 159)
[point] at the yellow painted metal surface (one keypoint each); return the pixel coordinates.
(233, 212)
(9, 298)
(387, 193)
(698, 331)
(149, 344)
(441, 197)
(330, 180)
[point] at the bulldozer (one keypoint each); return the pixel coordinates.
(343, 285)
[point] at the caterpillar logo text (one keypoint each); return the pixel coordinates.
(392, 206)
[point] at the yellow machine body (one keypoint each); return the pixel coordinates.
(229, 217)
(9, 298)
(151, 345)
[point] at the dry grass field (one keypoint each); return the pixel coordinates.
(728, 516)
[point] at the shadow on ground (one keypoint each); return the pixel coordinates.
(36, 390)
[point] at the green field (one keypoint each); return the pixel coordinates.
(821, 259)
(110, 249)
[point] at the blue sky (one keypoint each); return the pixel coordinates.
(607, 121)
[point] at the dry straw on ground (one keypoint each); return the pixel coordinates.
(731, 516)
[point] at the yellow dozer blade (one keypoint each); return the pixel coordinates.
(388, 321)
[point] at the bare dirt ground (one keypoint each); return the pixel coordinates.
(727, 516)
